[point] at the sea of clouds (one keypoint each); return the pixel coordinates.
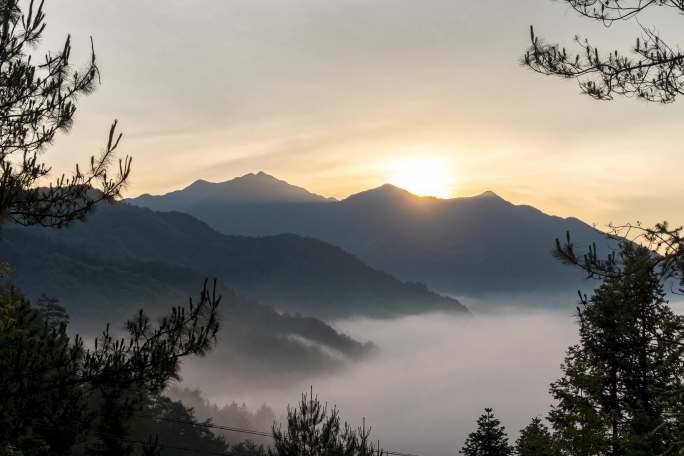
(430, 378)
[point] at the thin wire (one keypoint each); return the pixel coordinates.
(249, 431)
(163, 445)
(213, 426)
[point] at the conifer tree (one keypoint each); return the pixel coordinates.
(37, 101)
(56, 392)
(54, 313)
(536, 440)
(616, 394)
(489, 439)
(315, 430)
(654, 71)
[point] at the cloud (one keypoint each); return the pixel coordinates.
(430, 377)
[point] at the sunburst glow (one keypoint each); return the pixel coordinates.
(423, 177)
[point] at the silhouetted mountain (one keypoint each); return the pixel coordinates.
(250, 188)
(463, 245)
(96, 290)
(148, 253)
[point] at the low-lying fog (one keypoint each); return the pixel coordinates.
(430, 378)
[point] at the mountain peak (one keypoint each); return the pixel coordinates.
(251, 188)
(199, 183)
(384, 193)
(488, 194)
(258, 176)
(391, 188)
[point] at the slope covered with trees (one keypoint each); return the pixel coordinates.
(262, 343)
(130, 252)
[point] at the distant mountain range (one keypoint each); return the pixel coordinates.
(124, 255)
(464, 246)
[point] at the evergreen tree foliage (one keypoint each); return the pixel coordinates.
(655, 72)
(489, 439)
(54, 313)
(56, 392)
(536, 440)
(247, 448)
(40, 411)
(37, 100)
(617, 393)
(315, 430)
(662, 239)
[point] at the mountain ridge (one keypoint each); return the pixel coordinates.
(253, 188)
(96, 291)
(290, 272)
(461, 246)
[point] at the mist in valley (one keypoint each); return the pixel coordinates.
(428, 379)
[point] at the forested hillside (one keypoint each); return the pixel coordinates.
(132, 255)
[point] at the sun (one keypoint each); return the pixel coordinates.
(423, 177)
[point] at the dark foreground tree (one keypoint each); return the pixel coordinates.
(618, 392)
(489, 439)
(655, 71)
(536, 440)
(56, 392)
(38, 98)
(666, 241)
(247, 448)
(315, 430)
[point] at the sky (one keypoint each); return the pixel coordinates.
(342, 96)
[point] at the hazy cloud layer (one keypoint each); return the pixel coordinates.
(430, 378)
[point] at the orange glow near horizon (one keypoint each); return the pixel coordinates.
(423, 176)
